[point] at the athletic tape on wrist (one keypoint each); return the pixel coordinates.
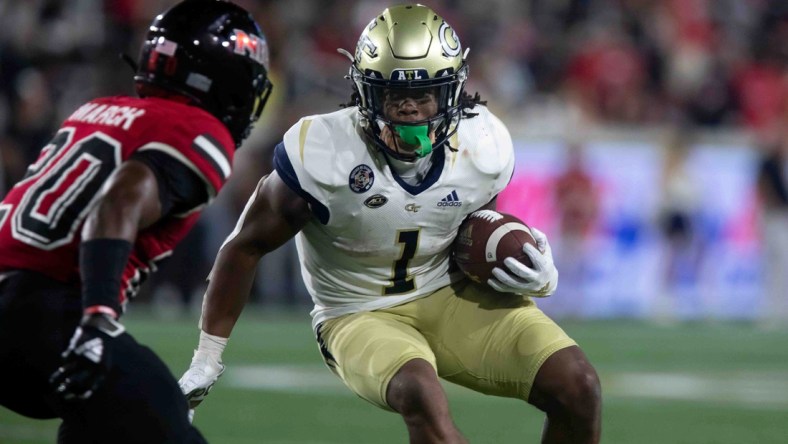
(93, 309)
(211, 345)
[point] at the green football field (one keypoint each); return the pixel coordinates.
(690, 383)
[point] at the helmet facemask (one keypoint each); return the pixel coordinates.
(375, 94)
(239, 107)
(408, 53)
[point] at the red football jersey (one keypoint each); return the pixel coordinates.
(42, 215)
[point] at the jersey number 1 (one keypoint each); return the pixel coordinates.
(401, 281)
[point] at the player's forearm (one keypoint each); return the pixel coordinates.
(228, 290)
(110, 220)
(107, 241)
(129, 203)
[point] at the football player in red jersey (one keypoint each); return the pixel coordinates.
(118, 186)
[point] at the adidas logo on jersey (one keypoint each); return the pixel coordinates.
(451, 200)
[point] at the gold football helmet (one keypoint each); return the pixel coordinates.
(409, 50)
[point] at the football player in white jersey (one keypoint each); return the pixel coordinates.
(374, 194)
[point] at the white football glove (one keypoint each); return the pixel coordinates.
(539, 281)
(204, 371)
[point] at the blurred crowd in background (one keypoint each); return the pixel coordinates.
(558, 70)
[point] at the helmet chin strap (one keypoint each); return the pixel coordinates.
(416, 135)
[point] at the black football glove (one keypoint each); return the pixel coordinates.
(88, 358)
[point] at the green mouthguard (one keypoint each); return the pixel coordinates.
(416, 135)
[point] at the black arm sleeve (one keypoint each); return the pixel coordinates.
(180, 188)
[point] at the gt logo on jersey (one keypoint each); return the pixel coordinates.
(361, 179)
(412, 207)
(409, 74)
(252, 46)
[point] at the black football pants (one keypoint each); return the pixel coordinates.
(140, 401)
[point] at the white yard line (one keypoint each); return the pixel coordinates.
(285, 378)
(753, 389)
(763, 390)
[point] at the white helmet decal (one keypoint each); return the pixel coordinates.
(451, 46)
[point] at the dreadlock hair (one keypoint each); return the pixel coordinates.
(467, 102)
(355, 99)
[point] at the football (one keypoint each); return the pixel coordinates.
(485, 238)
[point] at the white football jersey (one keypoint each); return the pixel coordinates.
(376, 241)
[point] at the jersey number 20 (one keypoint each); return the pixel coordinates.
(66, 180)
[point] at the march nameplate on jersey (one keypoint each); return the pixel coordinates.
(409, 74)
